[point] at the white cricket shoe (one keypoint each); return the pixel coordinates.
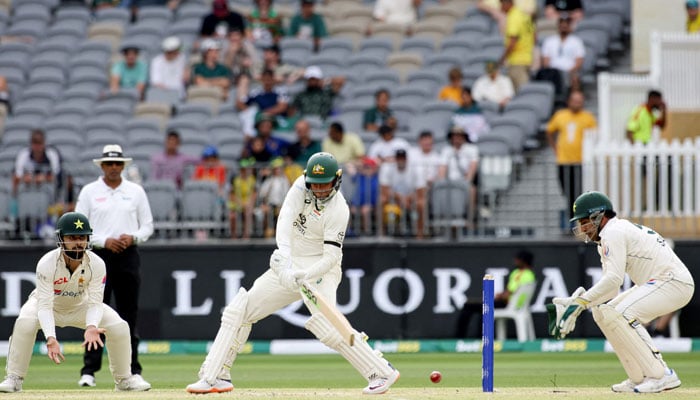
(87, 380)
(203, 387)
(626, 386)
(667, 382)
(11, 384)
(382, 385)
(134, 383)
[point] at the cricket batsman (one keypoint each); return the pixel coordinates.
(310, 232)
(70, 283)
(662, 284)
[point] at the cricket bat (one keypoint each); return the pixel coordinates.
(335, 317)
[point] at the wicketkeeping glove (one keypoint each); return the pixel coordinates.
(291, 279)
(563, 311)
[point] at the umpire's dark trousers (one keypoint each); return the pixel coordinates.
(124, 280)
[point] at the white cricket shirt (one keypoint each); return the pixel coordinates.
(113, 212)
(638, 251)
(59, 291)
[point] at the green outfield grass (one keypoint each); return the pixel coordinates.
(517, 375)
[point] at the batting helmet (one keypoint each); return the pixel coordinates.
(73, 223)
(590, 203)
(323, 168)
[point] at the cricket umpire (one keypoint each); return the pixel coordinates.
(121, 220)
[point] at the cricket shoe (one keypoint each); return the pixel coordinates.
(626, 386)
(382, 385)
(134, 383)
(87, 380)
(11, 384)
(204, 387)
(651, 385)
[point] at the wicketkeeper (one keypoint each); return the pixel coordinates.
(70, 283)
(310, 232)
(662, 284)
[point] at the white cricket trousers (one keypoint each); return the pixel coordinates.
(267, 295)
(655, 298)
(27, 325)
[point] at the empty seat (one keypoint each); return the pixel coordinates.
(518, 309)
(165, 195)
(365, 62)
(141, 129)
(432, 29)
(159, 95)
(340, 47)
(449, 206)
(382, 78)
(196, 112)
(425, 46)
(379, 46)
(201, 208)
(120, 16)
(156, 111)
(404, 63)
(224, 129)
(428, 79)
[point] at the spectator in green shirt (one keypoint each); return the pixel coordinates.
(645, 116)
(129, 73)
(210, 72)
(378, 115)
(317, 98)
(308, 25)
(521, 275)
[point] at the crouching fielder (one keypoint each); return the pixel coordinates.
(310, 232)
(70, 284)
(662, 284)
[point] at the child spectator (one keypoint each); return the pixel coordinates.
(242, 198)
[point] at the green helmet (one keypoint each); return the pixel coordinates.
(73, 223)
(321, 168)
(590, 203)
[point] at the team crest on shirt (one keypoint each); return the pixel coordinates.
(606, 250)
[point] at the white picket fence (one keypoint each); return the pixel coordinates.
(658, 182)
(660, 179)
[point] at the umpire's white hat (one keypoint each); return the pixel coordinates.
(112, 152)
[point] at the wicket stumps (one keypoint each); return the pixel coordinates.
(487, 335)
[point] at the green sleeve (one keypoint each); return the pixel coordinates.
(368, 117)
(294, 26)
(319, 27)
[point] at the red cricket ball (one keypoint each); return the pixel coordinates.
(435, 376)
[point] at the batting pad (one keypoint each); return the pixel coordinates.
(369, 363)
(118, 343)
(631, 342)
(238, 342)
(21, 345)
(231, 321)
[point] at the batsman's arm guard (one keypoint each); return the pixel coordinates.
(332, 256)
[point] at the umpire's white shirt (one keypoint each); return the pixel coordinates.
(59, 291)
(112, 212)
(306, 228)
(638, 251)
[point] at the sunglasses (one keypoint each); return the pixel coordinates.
(112, 163)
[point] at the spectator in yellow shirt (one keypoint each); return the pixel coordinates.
(645, 116)
(565, 133)
(519, 43)
(693, 24)
(453, 90)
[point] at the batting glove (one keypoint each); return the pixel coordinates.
(291, 279)
(279, 261)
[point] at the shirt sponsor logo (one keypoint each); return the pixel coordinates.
(60, 281)
(300, 223)
(101, 199)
